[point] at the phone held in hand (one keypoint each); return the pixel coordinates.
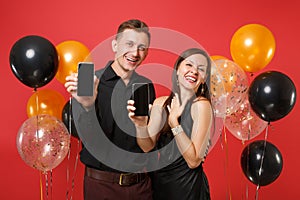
(85, 86)
(140, 95)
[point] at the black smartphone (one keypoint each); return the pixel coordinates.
(85, 86)
(140, 95)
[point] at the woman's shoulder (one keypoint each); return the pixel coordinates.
(160, 100)
(200, 99)
(201, 103)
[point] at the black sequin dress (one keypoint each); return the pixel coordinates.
(176, 180)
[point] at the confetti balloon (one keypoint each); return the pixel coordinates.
(244, 124)
(43, 142)
(217, 92)
(235, 84)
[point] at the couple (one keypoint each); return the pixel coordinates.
(177, 130)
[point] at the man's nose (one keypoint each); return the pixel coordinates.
(134, 50)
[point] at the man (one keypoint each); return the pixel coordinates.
(109, 179)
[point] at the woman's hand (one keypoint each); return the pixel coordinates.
(71, 86)
(175, 111)
(137, 120)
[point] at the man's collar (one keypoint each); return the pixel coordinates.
(110, 74)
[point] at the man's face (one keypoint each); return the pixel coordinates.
(130, 49)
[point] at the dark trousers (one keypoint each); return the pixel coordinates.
(95, 189)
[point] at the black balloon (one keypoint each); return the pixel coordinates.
(272, 95)
(34, 61)
(67, 117)
(261, 156)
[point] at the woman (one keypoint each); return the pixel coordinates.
(179, 128)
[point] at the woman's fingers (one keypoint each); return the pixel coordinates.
(131, 114)
(130, 108)
(130, 102)
(168, 108)
(175, 97)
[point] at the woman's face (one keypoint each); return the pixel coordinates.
(192, 71)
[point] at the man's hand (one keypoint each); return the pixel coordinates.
(71, 86)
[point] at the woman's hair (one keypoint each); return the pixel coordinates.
(203, 89)
(136, 25)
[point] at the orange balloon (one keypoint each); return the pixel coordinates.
(218, 57)
(46, 101)
(70, 53)
(252, 47)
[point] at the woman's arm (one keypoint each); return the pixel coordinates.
(192, 148)
(147, 134)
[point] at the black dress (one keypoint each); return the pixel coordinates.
(175, 180)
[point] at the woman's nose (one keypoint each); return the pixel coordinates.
(195, 69)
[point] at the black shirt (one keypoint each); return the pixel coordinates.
(112, 115)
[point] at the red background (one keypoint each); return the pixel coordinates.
(211, 23)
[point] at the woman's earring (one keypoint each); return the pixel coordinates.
(177, 82)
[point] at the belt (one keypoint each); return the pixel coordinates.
(120, 178)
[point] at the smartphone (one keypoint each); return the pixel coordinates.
(85, 86)
(140, 95)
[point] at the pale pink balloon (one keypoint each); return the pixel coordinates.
(43, 142)
(244, 124)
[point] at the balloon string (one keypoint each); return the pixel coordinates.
(247, 191)
(69, 153)
(227, 164)
(243, 143)
(256, 193)
(70, 116)
(75, 168)
(250, 127)
(246, 185)
(51, 184)
(37, 114)
(41, 186)
(261, 163)
(46, 184)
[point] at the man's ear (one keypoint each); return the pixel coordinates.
(114, 45)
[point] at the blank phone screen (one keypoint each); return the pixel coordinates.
(141, 98)
(85, 85)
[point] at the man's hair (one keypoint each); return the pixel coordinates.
(136, 25)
